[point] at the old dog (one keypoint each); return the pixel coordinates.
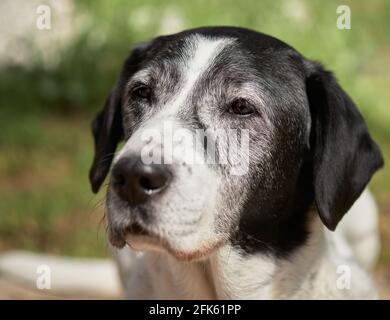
(191, 228)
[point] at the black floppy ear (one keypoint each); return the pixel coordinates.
(107, 132)
(107, 127)
(344, 155)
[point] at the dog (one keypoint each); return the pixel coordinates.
(195, 229)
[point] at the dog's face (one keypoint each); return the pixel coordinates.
(230, 135)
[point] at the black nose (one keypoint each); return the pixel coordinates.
(136, 182)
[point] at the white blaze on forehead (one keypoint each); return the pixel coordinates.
(201, 56)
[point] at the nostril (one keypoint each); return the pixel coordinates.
(152, 183)
(147, 184)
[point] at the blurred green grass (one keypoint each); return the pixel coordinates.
(45, 110)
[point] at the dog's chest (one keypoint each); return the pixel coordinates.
(225, 275)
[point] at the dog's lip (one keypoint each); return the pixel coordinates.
(149, 238)
(117, 236)
(137, 230)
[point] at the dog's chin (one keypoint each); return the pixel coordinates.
(148, 242)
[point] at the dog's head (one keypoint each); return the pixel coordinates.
(230, 135)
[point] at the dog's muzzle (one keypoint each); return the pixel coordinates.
(136, 182)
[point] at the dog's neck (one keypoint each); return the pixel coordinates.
(231, 274)
(265, 276)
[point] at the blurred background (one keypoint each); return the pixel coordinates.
(52, 81)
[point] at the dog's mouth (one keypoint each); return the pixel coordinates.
(139, 238)
(137, 230)
(117, 235)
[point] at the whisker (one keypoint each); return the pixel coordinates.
(257, 240)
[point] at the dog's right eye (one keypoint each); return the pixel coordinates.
(142, 92)
(241, 107)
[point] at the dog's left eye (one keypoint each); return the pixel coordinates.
(241, 107)
(142, 92)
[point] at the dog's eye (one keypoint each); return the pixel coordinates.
(142, 92)
(241, 107)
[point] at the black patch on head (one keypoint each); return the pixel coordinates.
(328, 176)
(276, 215)
(277, 223)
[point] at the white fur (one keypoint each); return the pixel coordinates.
(358, 232)
(310, 273)
(203, 55)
